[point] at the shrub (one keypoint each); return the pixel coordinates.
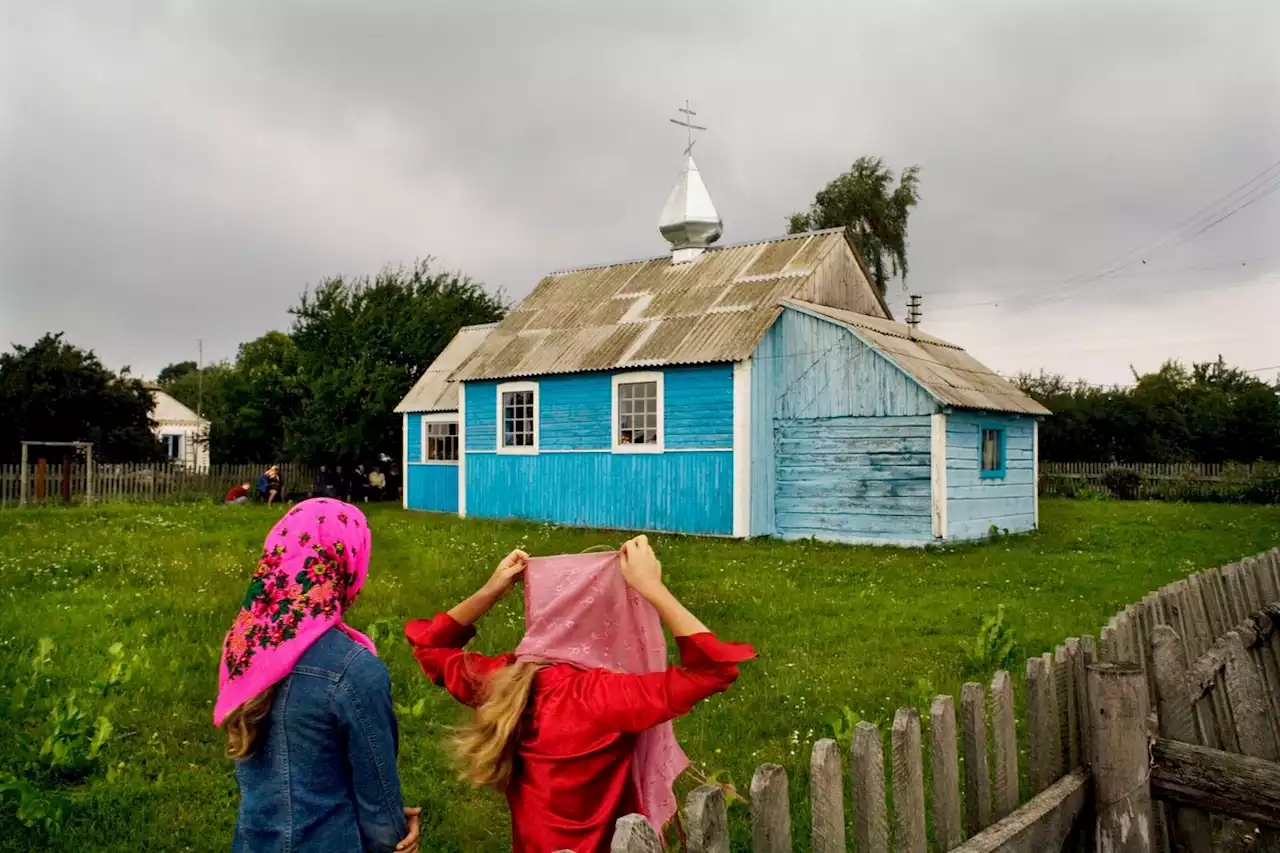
(995, 647)
(1124, 483)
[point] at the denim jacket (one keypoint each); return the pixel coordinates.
(323, 776)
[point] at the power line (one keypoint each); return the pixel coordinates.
(1262, 178)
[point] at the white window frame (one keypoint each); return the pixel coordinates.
(629, 379)
(439, 418)
(508, 388)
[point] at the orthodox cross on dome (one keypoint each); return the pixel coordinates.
(688, 125)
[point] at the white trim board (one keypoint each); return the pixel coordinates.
(742, 448)
(938, 471)
(462, 450)
(404, 461)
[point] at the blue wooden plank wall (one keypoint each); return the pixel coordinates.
(576, 479)
(855, 479)
(821, 370)
(764, 393)
(687, 492)
(574, 411)
(974, 503)
(413, 435)
(432, 487)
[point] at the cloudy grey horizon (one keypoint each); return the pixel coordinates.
(183, 170)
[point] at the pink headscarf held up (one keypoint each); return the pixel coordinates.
(578, 609)
(314, 563)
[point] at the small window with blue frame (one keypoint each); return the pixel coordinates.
(992, 451)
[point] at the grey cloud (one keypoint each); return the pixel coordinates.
(188, 168)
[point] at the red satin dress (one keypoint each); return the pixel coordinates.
(572, 778)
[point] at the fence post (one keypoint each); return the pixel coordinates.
(826, 795)
(870, 822)
(977, 774)
(770, 810)
(1004, 742)
(1120, 759)
(706, 820)
(1190, 827)
(633, 834)
(946, 772)
(908, 783)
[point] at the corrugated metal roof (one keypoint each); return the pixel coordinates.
(947, 371)
(433, 392)
(651, 312)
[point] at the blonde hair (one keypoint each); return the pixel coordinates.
(486, 746)
(243, 725)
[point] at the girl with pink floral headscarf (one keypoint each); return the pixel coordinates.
(575, 725)
(304, 700)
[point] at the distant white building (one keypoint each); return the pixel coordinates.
(183, 434)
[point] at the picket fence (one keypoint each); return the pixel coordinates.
(1153, 470)
(165, 482)
(1095, 779)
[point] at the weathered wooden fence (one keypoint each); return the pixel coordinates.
(1202, 652)
(143, 482)
(1257, 482)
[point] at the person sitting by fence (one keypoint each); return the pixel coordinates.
(238, 494)
(574, 726)
(304, 700)
(269, 488)
(323, 486)
(377, 484)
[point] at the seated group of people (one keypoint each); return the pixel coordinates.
(268, 489)
(358, 486)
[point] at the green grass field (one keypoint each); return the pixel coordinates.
(836, 627)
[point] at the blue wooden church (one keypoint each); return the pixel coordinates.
(759, 389)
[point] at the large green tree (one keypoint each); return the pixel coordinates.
(1208, 413)
(53, 391)
(873, 206)
(361, 344)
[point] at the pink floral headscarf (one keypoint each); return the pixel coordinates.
(579, 610)
(314, 563)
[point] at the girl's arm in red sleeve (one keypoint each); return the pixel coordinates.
(437, 644)
(633, 703)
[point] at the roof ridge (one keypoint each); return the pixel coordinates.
(667, 256)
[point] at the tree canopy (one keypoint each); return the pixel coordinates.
(1209, 413)
(53, 391)
(327, 390)
(873, 209)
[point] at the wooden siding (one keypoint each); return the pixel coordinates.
(764, 395)
(574, 411)
(413, 438)
(432, 487)
(575, 479)
(686, 492)
(974, 504)
(821, 370)
(855, 479)
(838, 281)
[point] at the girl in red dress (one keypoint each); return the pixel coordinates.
(577, 746)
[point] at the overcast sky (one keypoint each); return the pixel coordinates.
(180, 170)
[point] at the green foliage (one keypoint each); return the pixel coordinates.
(995, 646)
(874, 212)
(841, 725)
(362, 343)
(325, 392)
(1210, 413)
(53, 391)
(1124, 483)
(834, 626)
